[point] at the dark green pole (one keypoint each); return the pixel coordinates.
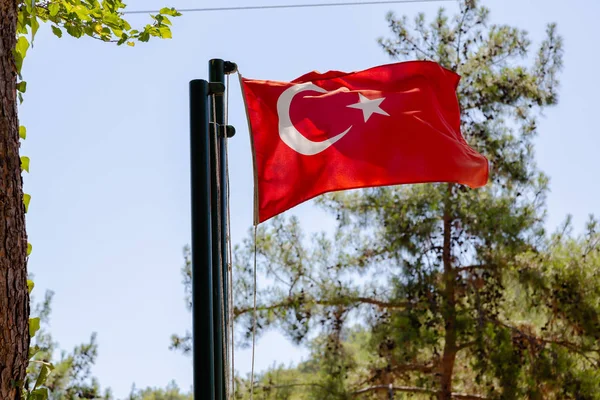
(216, 262)
(202, 279)
(227, 132)
(216, 74)
(217, 69)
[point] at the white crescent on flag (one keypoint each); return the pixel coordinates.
(288, 132)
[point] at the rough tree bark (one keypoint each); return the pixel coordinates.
(14, 298)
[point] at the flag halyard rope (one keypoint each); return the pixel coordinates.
(253, 318)
(230, 330)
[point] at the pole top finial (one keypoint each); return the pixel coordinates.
(229, 67)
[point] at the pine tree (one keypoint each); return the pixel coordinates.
(449, 292)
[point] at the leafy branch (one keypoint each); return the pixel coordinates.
(101, 20)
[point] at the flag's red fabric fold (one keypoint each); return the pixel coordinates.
(388, 125)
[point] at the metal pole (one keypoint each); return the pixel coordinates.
(202, 279)
(227, 132)
(224, 211)
(217, 115)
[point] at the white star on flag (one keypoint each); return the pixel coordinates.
(369, 106)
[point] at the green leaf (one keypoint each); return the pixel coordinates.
(165, 32)
(118, 32)
(22, 132)
(43, 376)
(22, 21)
(56, 30)
(33, 350)
(82, 12)
(165, 20)
(25, 163)
(170, 11)
(30, 284)
(35, 25)
(39, 394)
(26, 200)
(74, 30)
(68, 6)
(34, 326)
(22, 86)
(53, 8)
(113, 21)
(21, 52)
(22, 45)
(20, 97)
(29, 248)
(130, 44)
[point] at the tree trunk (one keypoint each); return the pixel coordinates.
(449, 310)
(14, 297)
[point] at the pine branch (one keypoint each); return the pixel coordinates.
(412, 389)
(424, 368)
(465, 345)
(396, 370)
(380, 303)
(471, 268)
(532, 338)
(332, 302)
(289, 385)
(459, 28)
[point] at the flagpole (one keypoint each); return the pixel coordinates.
(217, 69)
(215, 75)
(202, 279)
(227, 132)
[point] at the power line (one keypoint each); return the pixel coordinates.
(314, 5)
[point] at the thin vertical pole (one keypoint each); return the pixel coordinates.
(228, 132)
(223, 238)
(217, 115)
(202, 279)
(224, 204)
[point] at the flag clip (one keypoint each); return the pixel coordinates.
(216, 88)
(223, 130)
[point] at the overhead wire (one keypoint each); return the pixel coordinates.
(289, 6)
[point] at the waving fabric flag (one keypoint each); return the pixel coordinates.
(388, 125)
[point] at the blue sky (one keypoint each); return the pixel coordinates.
(108, 141)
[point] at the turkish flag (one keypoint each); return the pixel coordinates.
(388, 125)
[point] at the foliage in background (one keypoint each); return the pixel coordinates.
(101, 20)
(60, 375)
(436, 290)
(171, 392)
(67, 375)
(184, 343)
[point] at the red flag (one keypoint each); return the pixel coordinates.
(388, 125)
